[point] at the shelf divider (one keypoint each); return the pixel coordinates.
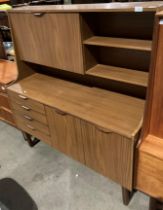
(134, 44)
(125, 75)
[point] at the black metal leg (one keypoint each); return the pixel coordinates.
(155, 204)
(127, 196)
(29, 138)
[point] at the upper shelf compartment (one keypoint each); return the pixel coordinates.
(129, 25)
(135, 44)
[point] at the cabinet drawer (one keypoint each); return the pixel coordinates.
(50, 39)
(7, 116)
(33, 123)
(23, 110)
(27, 127)
(22, 100)
(4, 101)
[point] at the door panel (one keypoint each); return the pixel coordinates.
(109, 154)
(66, 133)
(49, 39)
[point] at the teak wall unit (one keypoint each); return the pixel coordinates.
(83, 75)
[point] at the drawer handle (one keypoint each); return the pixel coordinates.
(28, 118)
(23, 97)
(104, 130)
(31, 127)
(38, 14)
(26, 108)
(60, 112)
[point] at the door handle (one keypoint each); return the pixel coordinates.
(38, 14)
(104, 130)
(26, 108)
(28, 117)
(60, 112)
(23, 97)
(31, 127)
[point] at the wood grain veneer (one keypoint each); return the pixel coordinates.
(109, 154)
(66, 133)
(51, 40)
(149, 176)
(8, 72)
(83, 102)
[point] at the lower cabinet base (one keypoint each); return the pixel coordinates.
(29, 138)
(127, 195)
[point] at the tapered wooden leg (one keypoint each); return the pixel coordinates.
(127, 196)
(31, 141)
(154, 204)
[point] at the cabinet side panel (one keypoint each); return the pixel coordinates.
(156, 122)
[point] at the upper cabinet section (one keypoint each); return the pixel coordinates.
(50, 39)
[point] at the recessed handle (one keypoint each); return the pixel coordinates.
(60, 112)
(38, 14)
(28, 118)
(26, 108)
(31, 127)
(23, 97)
(104, 130)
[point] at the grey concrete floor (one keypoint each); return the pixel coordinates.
(57, 182)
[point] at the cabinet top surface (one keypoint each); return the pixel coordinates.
(112, 111)
(107, 7)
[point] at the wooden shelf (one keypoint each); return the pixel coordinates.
(134, 44)
(101, 107)
(129, 76)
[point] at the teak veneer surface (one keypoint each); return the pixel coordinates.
(129, 76)
(8, 72)
(112, 111)
(50, 39)
(150, 167)
(112, 7)
(134, 44)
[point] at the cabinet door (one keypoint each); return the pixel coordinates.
(109, 154)
(50, 39)
(65, 133)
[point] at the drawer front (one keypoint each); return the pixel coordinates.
(27, 127)
(33, 123)
(4, 101)
(22, 100)
(41, 39)
(7, 116)
(24, 110)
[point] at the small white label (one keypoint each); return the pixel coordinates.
(138, 9)
(161, 22)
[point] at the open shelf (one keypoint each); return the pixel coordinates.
(129, 76)
(134, 44)
(83, 102)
